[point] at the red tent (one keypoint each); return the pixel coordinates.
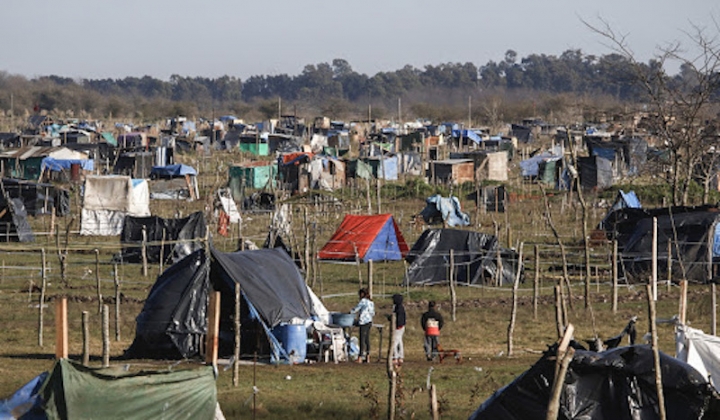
(376, 238)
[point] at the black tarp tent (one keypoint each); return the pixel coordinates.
(173, 321)
(692, 231)
(611, 385)
(475, 258)
(169, 239)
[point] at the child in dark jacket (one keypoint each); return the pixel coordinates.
(432, 323)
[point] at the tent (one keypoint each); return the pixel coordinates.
(72, 391)
(475, 257)
(623, 200)
(108, 199)
(699, 350)
(694, 232)
(169, 239)
(376, 238)
(173, 321)
(615, 384)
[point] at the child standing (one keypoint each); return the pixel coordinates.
(366, 310)
(432, 323)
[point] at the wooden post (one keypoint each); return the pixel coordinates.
(105, 336)
(615, 277)
(392, 374)
(143, 252)
(61, 328)
(451, 281)
(379, 187)
(656, 354)
(357, 264)
(236, 354)
(116, 279)
(434, 409)
(211, 340)
(653, 281)
(370, 277)
(41, 306)
(683, 301)
(513, 312)
(367, 191)
(713, 300)
(669, 265)
(86, 338)
(558, 382)
(97, 280)
(558, 311)
(536, 282)
(162, 252)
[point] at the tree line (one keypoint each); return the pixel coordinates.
(333, 88)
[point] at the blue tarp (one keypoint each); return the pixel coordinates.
(468, 134)
(446, 207)
(58, 165)
(389, 168)
(172, 171)
(625, 200)
(531, 167)
(385, 245)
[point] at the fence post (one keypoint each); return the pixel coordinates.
(97, 280)
(61, 328)
(143, 252)
(211, 343)
(116, 279)
(41, 306)
(615, 277)
(536, 280)
(86, 338)
(451, 281)
(236, 354)
(105, 336)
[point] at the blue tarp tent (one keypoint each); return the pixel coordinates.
(467, 134)
(58, 165)
(172, 171)
(623, 201)
(447, 209)
(376, 238)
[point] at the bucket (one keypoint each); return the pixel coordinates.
(343, 320)
(293, 338)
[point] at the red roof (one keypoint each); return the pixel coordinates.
(357, 234)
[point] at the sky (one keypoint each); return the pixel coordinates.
(97, 39)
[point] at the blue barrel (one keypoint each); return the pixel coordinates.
(293, 338)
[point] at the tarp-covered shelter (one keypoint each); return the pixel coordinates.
(455, 171)
(475, 258)
(375, 237)
(694, 232)
(108, 199)
(72, 391)
(173, 182)
(38, 198)
(168, 239)
(173, 321)
(14, 225)
(699, 350)
(611, 385)
(624, 200)
(446, 210)
(595, 172)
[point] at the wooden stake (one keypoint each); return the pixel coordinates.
(116, 279)
(97, 280)
(105, 336)
(211, 343)
(683, 301)
(61, 328)
(513, 312)
(615, 277)
(392, 374)
(86, 338)
(434, 409)
(370, 277)
(669, 265)
(558, 312)
(713, 300)
(451, 282)
(656, 353)
(536, 282)
(654, 278)
(143, 252)
(41, 306)
(558, 382)
(236, 354)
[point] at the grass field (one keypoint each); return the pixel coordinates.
(345, 390)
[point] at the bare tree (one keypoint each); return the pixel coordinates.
(681, 106)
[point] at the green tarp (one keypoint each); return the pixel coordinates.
(73, 391)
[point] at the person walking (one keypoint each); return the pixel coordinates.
(366, 310)
(398, 353)
(432, 322)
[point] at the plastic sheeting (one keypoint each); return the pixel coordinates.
(172, 171)
(615, 384)
(173, 320)
(375, 237)
(73, 391)
(108, 199)
(444, 209)
(475, 257)
(699, 350)
(181, 237)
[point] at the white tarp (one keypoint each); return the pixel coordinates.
(699, 350)
(108, 199)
